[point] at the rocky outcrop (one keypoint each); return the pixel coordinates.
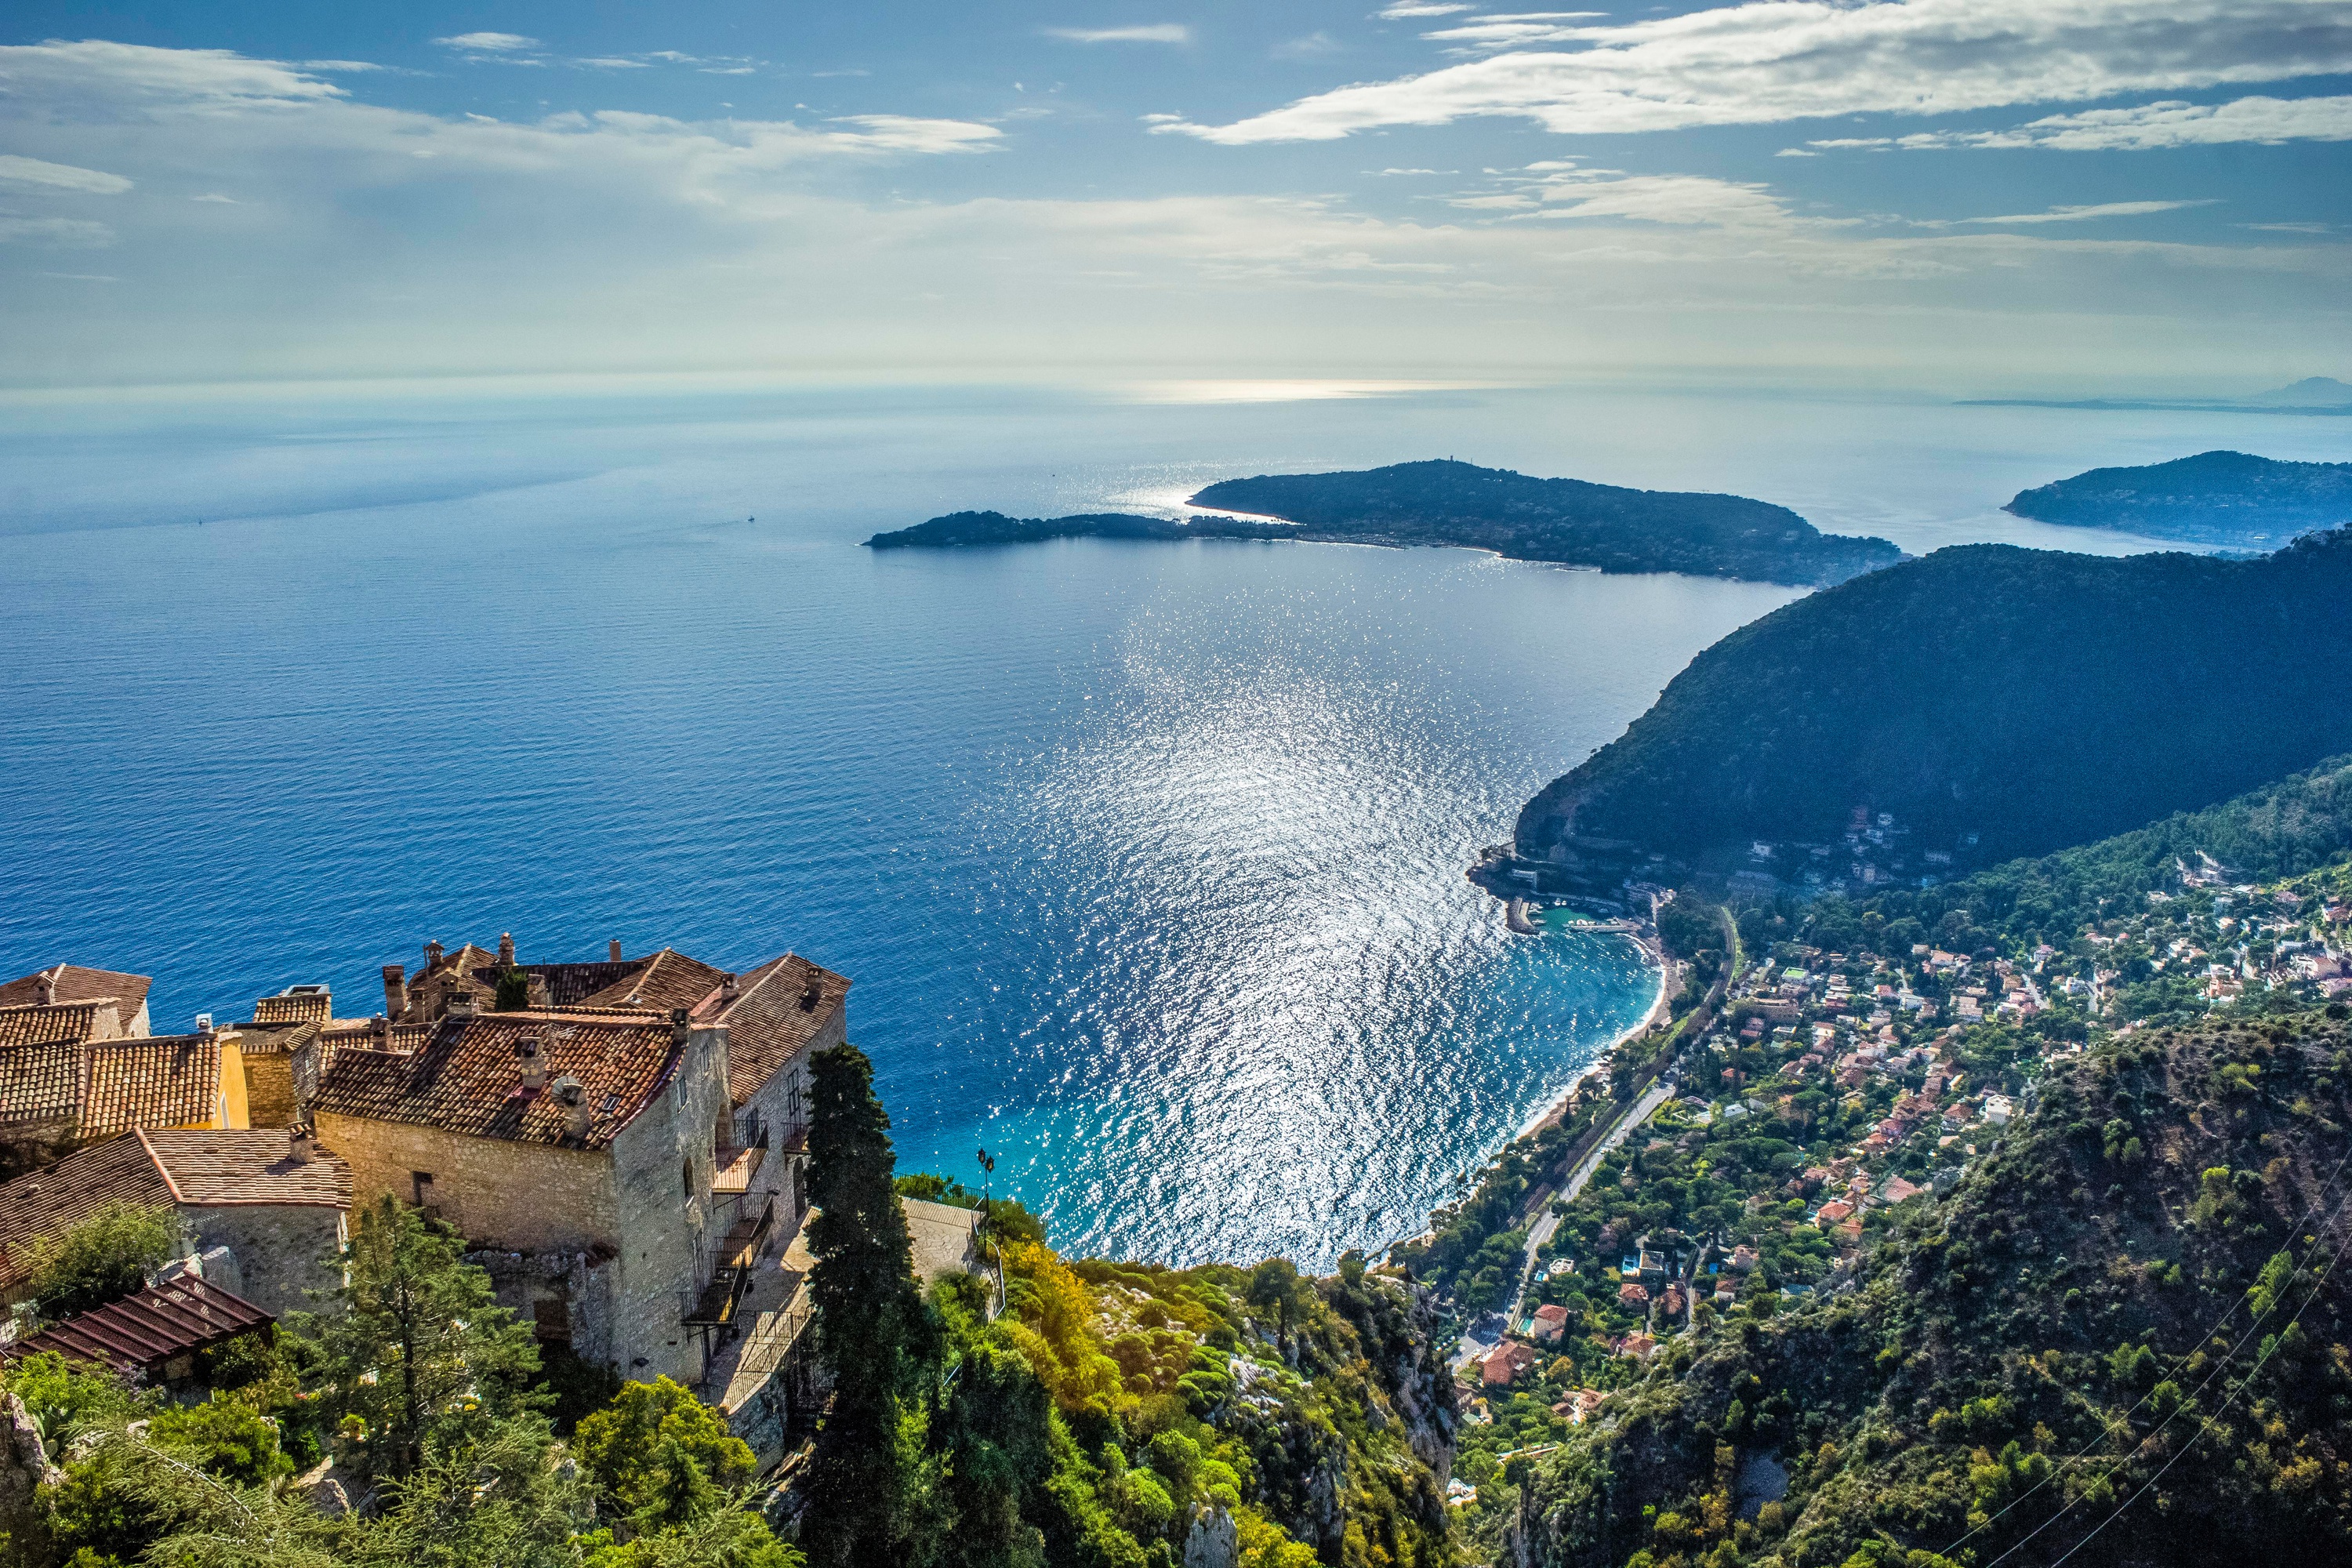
(25, 1469)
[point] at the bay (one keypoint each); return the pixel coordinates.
(1146, 861)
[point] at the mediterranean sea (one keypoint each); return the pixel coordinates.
(1145, 859)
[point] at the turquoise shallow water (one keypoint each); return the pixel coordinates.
(1146, 861)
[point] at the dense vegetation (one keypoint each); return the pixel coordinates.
(2211, 496)
(2030, 698)
(1113, 1414)
(2140, 1273)
(1566, 521)
(409, 1426)
(2281, 830)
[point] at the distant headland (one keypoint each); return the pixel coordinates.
(1443, 502)
(2213, 496)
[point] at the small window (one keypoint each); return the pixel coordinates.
(686, 1171)
(421, 1181)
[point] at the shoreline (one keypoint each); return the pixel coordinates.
(1552, 1108)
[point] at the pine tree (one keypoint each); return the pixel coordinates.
(875, 1338)
(421, 1342)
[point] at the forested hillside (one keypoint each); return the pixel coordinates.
(2033, 699)
(2281, 829)
(2211, 496)
(2123, 1338)
(1608, 526)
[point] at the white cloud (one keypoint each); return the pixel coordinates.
(1775, 60)
(65, 231)
(1510, 29)
(613, 62)
(614, 243)
(216, 196)
(1312, 47)
(16, 171)
(2269, 120)
(131, 76)
(489, 43)
(1404, 9)
(1148, 33)
(2084, 213)
(906, 134)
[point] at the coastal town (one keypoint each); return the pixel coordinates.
(1832, 1096)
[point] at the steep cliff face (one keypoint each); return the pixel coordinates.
(2124, 1334)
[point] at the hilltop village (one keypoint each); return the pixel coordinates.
(623, 1143)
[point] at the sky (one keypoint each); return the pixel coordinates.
(1978, 196)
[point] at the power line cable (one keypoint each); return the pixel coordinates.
(2124, 1420)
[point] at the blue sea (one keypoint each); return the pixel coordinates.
(1146, 861)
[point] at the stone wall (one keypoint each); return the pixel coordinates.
(663, 1165)
(578, 1283)
(282, 1250)
(500, 1194)
(269, 1094)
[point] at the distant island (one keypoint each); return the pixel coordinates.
(1993, 701)
(2312, 394)
(1442, 502)
(2211, 496)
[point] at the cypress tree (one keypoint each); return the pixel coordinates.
(874, 1335)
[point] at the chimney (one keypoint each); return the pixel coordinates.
(729, 987)
(613, 950)
(574, 1102)
(301, 1144)
(203, 1023)
(506, 949)
(532, 1051)
(542, 995)
(458, 1005)
(679, 1028)
(395, 991)
(45, 990)
(433, 950)
(380, 1026)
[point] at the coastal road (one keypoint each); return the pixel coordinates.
(1657, 1094)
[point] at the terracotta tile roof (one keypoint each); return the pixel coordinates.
(72, 983)
(44, 1202)
(140, 1333)
(208, 1167)
(46, 1026)
(569, 985)
(315, 1007)
(666, 980)
(776, 1010)
(40, 1083)
(216, 1167)
(172, 1080)
(467, 1078)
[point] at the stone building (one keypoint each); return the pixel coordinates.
(63, 1085)
(270, 1197)
(70, 985)
(775, 1017)
(575, 1148)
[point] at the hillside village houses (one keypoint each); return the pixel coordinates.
(623, 1143)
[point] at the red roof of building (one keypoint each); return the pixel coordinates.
(465, 1077)
(140, 1333)
(68, 983)
(776, 1010)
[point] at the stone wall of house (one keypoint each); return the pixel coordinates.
(283, 1250)
(781, 1105)
(269, 1094)
(500, 1194)
(663, 1163)
(565, 1297)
